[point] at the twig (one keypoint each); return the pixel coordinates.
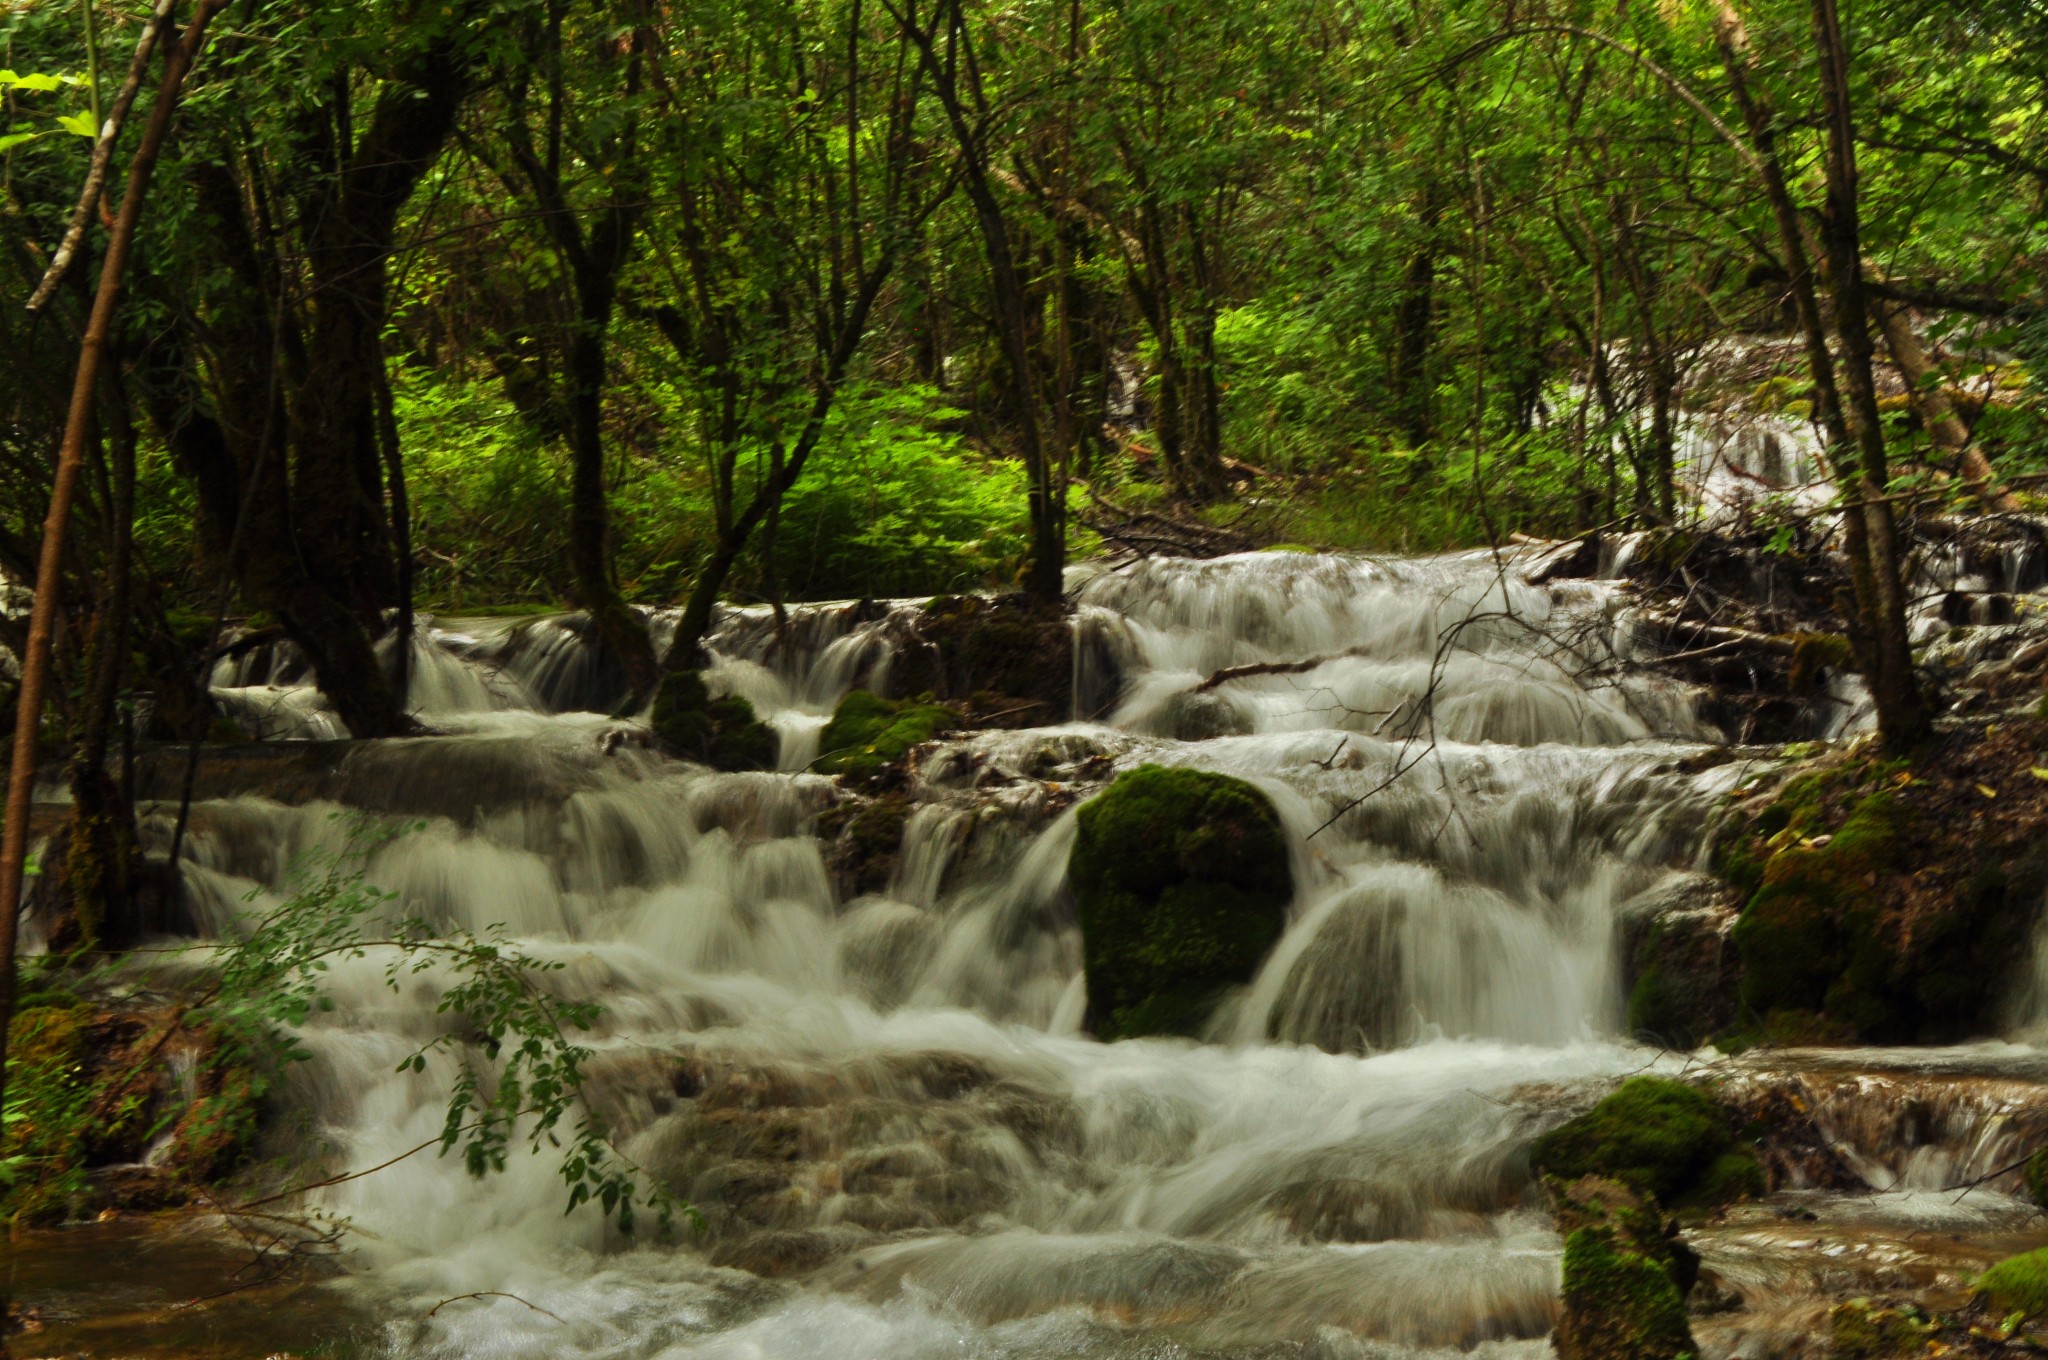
(497, 1294)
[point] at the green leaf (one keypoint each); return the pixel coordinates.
(80, 123)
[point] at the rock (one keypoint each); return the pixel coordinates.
(1684, 973)
(722, 733)
(1658, 1137)
(1892, 901)
(1182, 880)
(869, 734)
(1861, 1330)
(1625, 1276)
(865, 842)
(2036, 1176)
(2018, 1284)
(1010, 660)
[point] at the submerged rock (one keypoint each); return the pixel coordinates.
(1182, 880)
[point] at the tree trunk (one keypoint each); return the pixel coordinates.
(1415, 333)
(35, 654)
(1902, 716)
(1937, 414)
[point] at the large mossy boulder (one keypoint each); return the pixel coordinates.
(1182, 879)
(1658, 1137)
(723, 733)
(868, 734)
(1625, 1276)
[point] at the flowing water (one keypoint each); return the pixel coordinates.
(900, 1142)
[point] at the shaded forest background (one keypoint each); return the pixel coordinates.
(538, 303)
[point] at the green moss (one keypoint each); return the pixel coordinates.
(2037, 1178)
(1734, 1175)
(722, 733)
(1813, 654)
(1655, 1135)
(2018, 1284)
(1807, 936)
(1858, 1330)
(1628, 1305)
(217, 1130)
(866, 840)
(1182, 880)
(868, 733)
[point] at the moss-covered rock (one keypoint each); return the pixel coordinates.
(1182, 879)
(1810, 937)
(1684, 974)
(868, 733)
(2018, 1284)
(722, 733)
(1861, 1330)
(1658, 1137)
(1888, 900)
(1625, 1277)
(1006, 657)
(2036, 1174)
(865, 841)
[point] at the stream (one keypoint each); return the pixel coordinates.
(901, 1143)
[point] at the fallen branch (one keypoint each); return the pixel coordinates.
(1230, 673)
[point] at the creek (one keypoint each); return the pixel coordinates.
(902, 1144)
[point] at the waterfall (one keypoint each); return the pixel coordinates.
(882, 1104)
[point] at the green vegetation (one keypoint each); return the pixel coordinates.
(93, 1085)
(1660, 1137)
(1886, 898)
(2018, 1284)
(1182, 880)
(868, 734)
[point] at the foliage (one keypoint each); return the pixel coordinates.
(520, 1068)
(1182, 880)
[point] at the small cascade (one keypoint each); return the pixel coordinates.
(877, 1089)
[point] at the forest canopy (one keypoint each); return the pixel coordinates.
(624, 304)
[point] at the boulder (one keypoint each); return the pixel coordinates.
(1658, 1137)
(1683, 971)
(1182, 880)
(723, 733)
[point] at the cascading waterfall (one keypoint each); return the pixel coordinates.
(899, 1139)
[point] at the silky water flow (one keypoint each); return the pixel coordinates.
(899, 1142)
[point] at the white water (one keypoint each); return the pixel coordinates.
(885, 1105)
